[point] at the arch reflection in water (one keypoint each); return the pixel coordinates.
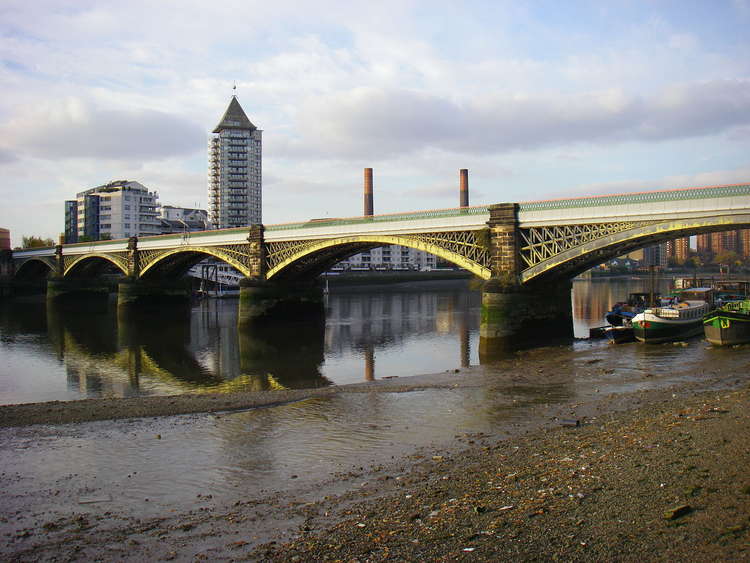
(87, 348)
(129, 353)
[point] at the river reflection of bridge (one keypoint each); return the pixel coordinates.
(179, 349)
(176, 351)
(91, 349)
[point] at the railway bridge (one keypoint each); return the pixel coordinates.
(527, 252)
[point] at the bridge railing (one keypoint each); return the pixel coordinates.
(640, 197)
(385, 218)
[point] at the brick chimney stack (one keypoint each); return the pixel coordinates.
(368, 191)
(464, 188)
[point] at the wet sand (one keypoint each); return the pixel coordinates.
(87, 410)
(660, 474)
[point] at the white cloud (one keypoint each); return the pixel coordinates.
(378, 123)
(529, 100)
(75, 129)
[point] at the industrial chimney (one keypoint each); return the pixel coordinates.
(464, 188)
(368, 192)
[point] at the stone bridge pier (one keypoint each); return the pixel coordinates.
(262, 299)
(135, 290)
(7, 271)
(513, 312)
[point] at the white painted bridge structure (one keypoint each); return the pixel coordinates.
(545, 239)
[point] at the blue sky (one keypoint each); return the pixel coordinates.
(536, 99)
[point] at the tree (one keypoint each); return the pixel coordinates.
(36, 242)
(729, 257)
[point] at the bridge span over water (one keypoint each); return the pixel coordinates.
(517, 246)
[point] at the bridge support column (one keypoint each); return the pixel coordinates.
(261, 300)
(137, 292)
(6, 274)
(70, 288)
(512, 312)
(513, 316)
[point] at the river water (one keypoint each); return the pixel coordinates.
(49, 353)
(87, 351)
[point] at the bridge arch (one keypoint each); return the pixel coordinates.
(90, 265)
(572, 261)
(176, 262)
(35, 268)
(311, 258)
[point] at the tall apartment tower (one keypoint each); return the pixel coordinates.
(234, 170)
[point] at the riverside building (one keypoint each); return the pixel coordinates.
(174, 219)
(234, 170)
(119, 209)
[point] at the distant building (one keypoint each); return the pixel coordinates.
(235, 171)
(744, 237)
(678, 249)
(119, 209)
(391, 257)
(703, 244)
(4, 239)
(710, 245)
(655, 256)
(182, 219)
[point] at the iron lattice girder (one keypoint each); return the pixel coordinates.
(278, 252)
(465, 244)
(120, 259)
(542, 243)
(236, 255)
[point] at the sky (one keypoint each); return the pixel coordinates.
(537, 99)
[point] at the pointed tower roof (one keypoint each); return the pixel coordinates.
(234, 118)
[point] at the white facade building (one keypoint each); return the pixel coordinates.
(182, 219)
(392, 257)
(119, 209)
(234, 170)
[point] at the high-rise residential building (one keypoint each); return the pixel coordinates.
(119, 209)
(655, 255)
(234, 170)
(744, 238)
(729, 241)
(703, 244)
(679, 249)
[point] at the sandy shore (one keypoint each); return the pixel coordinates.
(658, 476)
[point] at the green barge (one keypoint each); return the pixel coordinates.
(729, 324)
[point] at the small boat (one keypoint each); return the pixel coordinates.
(729, 324)
(623, 311)
(620, 334)
(681, 318)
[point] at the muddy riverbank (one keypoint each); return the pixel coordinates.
(535, 487)
(663, 482)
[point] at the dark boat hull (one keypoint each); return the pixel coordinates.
(620, 334)
(657, 332)
(727, 328)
